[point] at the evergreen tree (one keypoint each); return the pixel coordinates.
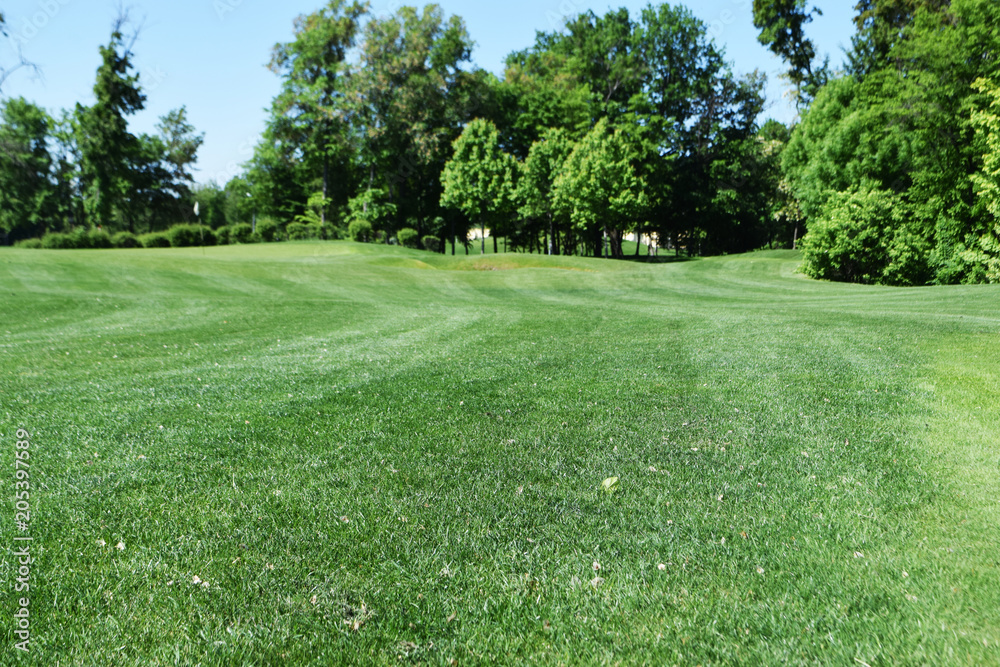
(108, 150)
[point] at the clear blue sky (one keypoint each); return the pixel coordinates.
(210, 55)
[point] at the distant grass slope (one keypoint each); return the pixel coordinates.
(374, 455)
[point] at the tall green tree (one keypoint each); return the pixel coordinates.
(181, 143)
(410, 96)
(108, 149)
(604, 54)
(539, 171)
(782, 29)
(26, 186)
(881, 25)
(310, 111)
(66, 157)
(600, 190)
(479, 178)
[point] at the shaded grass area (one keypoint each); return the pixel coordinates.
(378, 455)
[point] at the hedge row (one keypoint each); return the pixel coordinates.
(189, 235)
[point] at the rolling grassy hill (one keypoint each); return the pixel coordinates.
(323, 453)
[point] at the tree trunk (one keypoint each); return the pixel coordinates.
(495, 251)
(638, 243)
(482, 240)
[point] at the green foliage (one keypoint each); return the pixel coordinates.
(479, 178)
(360, 231)
(408, 237)
(539, 171)
(186, 236)
(371, 107)
(373, 207)
(984, 253)
(27, 197)
(155, 240)
(299, 231)
(782, 29)
(268, 230)
(431, 243)
(87, 168)
(241, 233)
(912, 127)
(59, 241)
(108, 149)
(222, 235)
(98, 238)
(306, 116)
(411, 92)
(316, 210)
(863, 236)
(29, 244)
(599, 189)
(882, 25)
(664, 84)
(180, 150)
(125, 240)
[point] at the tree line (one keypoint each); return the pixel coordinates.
(615, 125)
(894, 164)
(84, 168)
(385, 119)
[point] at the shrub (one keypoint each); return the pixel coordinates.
(186, 236)
(125, 240)
(58, 241)
(155, 240)
(98, 238)
(431, 243)
(29, 244)
(241, 233)
(300, 231)
(222, 235)
(297, 231)
(267, 231)
(408, 237)
(371, 206)
(80, 239)
(848, 243)
(360, 231)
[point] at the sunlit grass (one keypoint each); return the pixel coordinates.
(323, 453)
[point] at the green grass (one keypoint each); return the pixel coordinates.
(380, 456)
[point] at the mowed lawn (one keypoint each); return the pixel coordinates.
(328, 453)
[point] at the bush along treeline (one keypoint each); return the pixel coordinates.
(895, 165)
(187, 235)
